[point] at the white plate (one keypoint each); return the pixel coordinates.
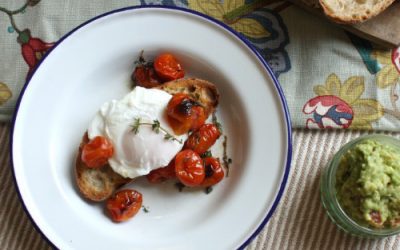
(91, 65)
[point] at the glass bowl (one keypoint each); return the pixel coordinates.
(329, 194)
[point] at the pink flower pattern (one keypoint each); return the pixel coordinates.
(328, 111)
(396, 58)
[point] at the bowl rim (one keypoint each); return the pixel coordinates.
(283, 102)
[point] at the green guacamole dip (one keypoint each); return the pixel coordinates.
(368, 184)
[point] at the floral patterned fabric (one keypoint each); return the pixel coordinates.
(331, 79)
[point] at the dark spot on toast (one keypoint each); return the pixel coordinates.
(192, 88)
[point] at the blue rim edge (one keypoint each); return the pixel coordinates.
(238, 35)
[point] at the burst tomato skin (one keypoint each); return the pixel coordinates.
(168, 68)
(180, 107)
(203, 138)
(145, 76)
(97, 151)
(214, 173)
(178, 127)
(184, 114)
(189, 168)
(124, 204)
(198, 117)
(162, 174)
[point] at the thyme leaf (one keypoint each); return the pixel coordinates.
(135, 126)
(145, 209)
(206, 154)
(208, 190)
(179, 186)
(156, 126)
(167, 137)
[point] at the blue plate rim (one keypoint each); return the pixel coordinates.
(215, 21)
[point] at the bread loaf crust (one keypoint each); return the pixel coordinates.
(355, 15)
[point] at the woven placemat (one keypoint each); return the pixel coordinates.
(298, 223)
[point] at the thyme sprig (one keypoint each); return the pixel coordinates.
(156, 127)
(142, 62)
(217, 123)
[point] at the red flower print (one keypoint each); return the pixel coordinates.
(33, 49)
(396, 58)
(328, 111)
(338, 105)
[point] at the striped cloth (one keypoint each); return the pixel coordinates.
(299, 222)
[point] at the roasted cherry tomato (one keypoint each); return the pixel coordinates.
(97, 151)
(178, 127)
(162, 174)
(124, 204)
(168, 67)
(189, 168)
(180, 107)
(145, 76)
(198, 117)
(184, 114)
(203, 138)
(214, 172)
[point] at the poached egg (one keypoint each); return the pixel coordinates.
(136, 154)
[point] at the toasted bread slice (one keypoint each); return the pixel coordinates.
(353, 11)
(204, 92)
(96, 184)
(100, 183)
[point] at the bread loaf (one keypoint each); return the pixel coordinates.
(353, 11)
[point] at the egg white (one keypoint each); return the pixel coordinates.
(136, 154)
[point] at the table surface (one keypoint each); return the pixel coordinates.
(299, 222)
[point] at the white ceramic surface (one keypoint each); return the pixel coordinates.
(92, 65)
